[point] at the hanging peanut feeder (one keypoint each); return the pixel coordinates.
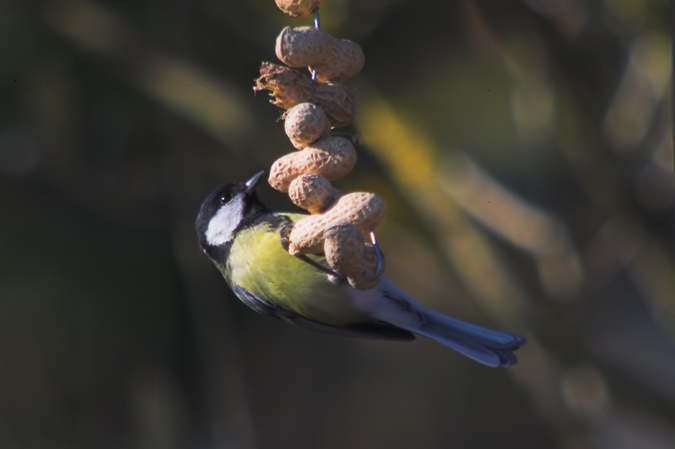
(314, 107)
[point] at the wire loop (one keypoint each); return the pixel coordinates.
(379, 259)
(317, 25)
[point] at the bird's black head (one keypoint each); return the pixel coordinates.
(226, 211)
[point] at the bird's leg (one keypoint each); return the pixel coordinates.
(285, 233)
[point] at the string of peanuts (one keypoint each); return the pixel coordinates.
(314, 107)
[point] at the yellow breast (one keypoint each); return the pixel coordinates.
(266, 270)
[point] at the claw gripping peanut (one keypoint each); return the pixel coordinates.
(338, 222)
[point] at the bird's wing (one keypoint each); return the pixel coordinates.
(371, 331)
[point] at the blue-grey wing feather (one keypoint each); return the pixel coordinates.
(260, 305)
(371, 331)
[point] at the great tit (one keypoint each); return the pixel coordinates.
(242, 238)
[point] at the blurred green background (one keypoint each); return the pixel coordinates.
(524, 151)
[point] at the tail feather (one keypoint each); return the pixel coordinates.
(486, 346)
(475, 352)
(489, 347)
(460, 330)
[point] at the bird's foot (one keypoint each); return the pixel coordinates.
(333, 276)
(285, 233)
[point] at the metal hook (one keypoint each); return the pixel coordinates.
(379, 259)
(317, 25)
(316, 18)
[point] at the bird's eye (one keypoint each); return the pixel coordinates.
(224, 199)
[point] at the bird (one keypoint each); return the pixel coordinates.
(242, 237)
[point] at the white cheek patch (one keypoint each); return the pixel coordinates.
(222, 225)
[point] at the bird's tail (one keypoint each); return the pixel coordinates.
(486, 346)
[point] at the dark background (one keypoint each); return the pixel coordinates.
(524, 152)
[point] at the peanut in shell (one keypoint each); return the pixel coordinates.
(365, 210)
(299, 8)
(331, 157)
(347, 253)
(313, 193)
(289, 87)
(305, 123)
(331, 58)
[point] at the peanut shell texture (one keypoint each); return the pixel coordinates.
(313, 193)
(299, 8)
(331, 157)
(365, 210)
(331, 58)
(289, 87)
(305, 123)
(347, 253)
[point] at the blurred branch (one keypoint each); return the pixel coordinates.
(642, 88)
(522, 224)
(412, 160)
(207, 101)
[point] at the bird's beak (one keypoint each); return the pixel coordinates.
(253, 183)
